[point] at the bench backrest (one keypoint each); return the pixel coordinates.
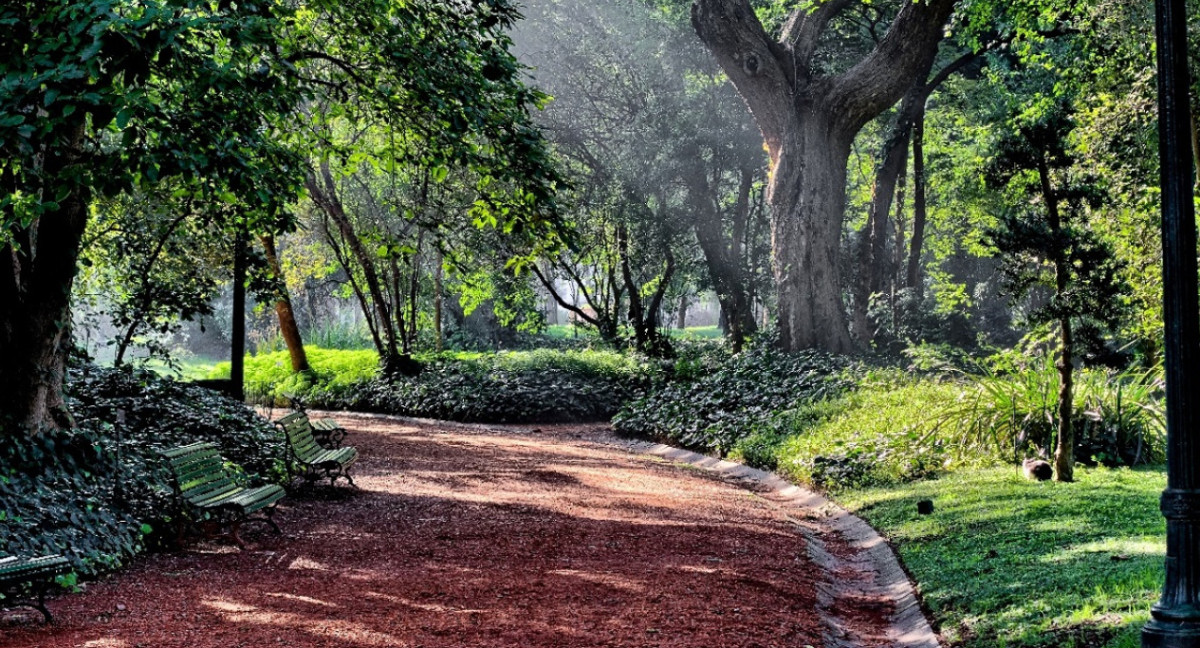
(17, 570)
(299, 432)
(200, 472)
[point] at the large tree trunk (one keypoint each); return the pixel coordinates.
(807, 198)
(36, 272)
(283, 309)
(808, 123)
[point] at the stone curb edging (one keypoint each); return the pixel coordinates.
(908, 628)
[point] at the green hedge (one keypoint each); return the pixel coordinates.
(505, 387)
(712, 407)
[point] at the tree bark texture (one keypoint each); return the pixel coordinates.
(643, 315)
(237, 353)
(438, 288)
(913, 278)
(1064, 453)
(283, 309)
(37, 270)
(723, 253)
(808, 123)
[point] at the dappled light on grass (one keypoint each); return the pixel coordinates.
(1003, 559)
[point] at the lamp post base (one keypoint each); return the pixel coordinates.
(1168, 634)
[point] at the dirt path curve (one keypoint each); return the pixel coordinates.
(482, 536)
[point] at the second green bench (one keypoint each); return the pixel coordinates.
(308, 458)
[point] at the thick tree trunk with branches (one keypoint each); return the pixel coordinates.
(37, 270)
(808, 122)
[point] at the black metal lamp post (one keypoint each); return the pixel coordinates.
(1176, 616)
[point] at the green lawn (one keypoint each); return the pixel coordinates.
(698, 332)
(186, 369)
(1004, 561)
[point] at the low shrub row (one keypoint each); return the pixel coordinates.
(714, 407)
(100, 493)
(506, 387)
(826, 422)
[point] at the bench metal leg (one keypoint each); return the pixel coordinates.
(270, 518)
(39, 604)
(233, 535)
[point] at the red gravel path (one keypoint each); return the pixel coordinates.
(470, 536)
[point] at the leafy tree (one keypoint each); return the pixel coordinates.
(155, 264)
(100, 97)
(809, 113)
(1048, 245)
(661, 149)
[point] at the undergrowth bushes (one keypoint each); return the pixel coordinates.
(826, 422)
(717, 408)
(99, 493)
(506, 387)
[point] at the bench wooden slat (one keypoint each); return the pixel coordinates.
(19, 576)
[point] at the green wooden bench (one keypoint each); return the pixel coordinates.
(30, 577)
(328, 432)
(308, 458)
(213, 495)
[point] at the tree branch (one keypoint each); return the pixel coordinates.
(803, 30)
(879, 80)
(762, 71)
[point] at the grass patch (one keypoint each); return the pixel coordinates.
(698, 332)
(875, 434)
(335, 374)
(1004, 561)
(510, 386)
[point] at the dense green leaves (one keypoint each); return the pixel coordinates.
(718, 407)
